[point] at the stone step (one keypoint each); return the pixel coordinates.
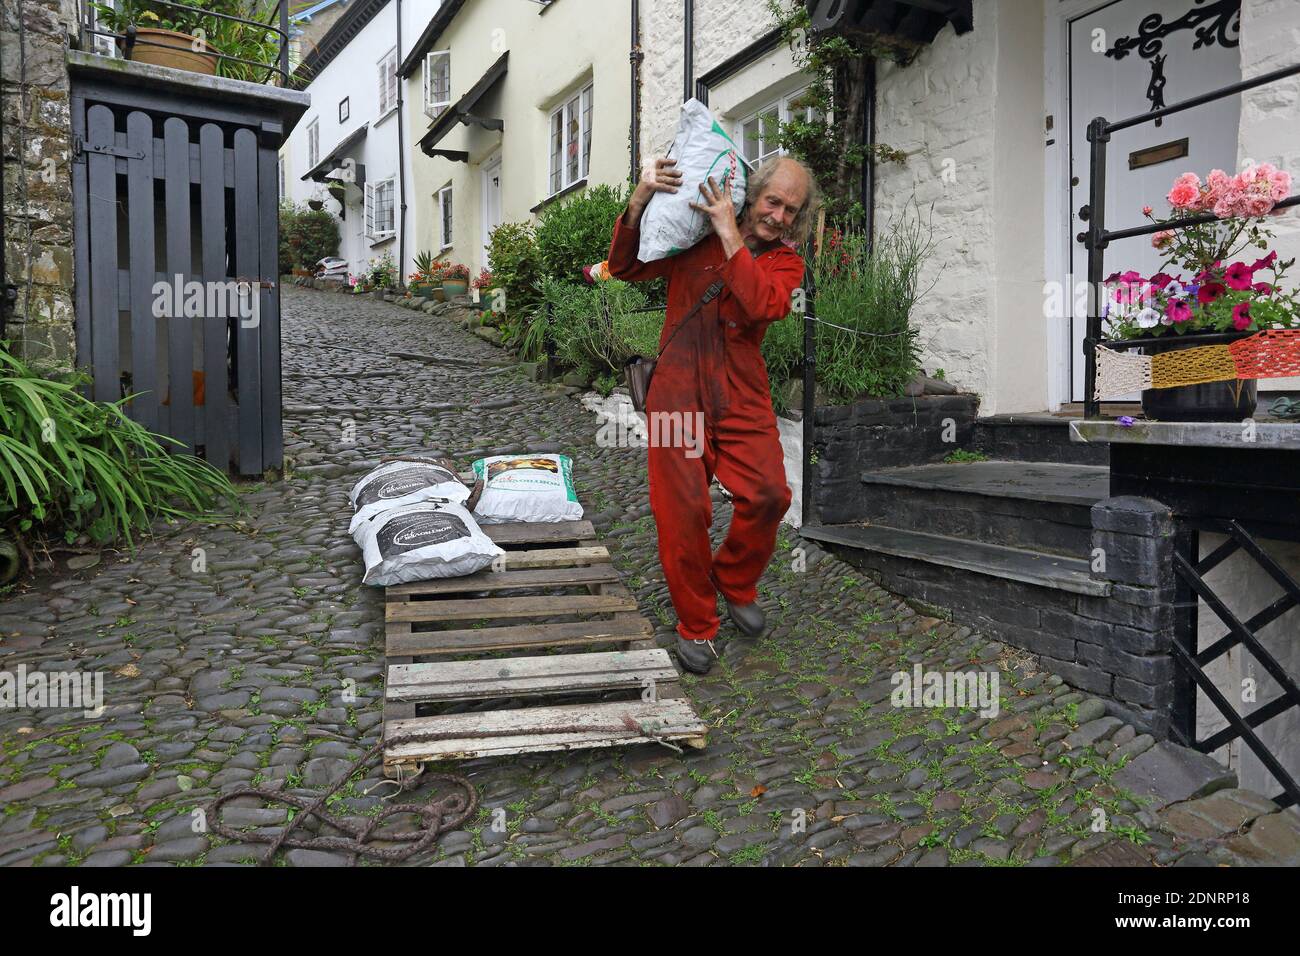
(1038, 506)
(1053, 571)
(1036, 436)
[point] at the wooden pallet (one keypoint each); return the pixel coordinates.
(501, 612)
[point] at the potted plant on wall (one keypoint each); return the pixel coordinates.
(1217, 277)
(455, 280)
(184, 35)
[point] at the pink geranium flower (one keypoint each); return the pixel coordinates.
(1241, 316)
(1216, 184)
(1239, 276)
(1146, 210)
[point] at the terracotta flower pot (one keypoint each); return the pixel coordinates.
(176, 50)
(436, 293)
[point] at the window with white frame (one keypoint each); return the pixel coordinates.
(380, 223)
(758, 132)
(443, 196)
(570, 141)
(437, 82)
(388, 82)
(313, 144)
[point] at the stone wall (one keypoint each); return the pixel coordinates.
(37, 181)
(881, 433)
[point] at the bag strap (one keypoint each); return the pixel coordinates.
(710, 294)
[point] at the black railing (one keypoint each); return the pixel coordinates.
(1096, 238)
(130, 38)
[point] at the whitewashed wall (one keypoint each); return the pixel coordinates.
(1270, 115)
(354, 73)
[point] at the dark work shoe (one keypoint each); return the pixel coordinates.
(748, 617)
(696, 656)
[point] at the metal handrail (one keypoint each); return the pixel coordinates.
(1096, 238)
(280, 66)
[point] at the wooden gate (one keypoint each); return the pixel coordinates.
(176, 246)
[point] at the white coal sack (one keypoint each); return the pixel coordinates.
(526, 488)
(434, 539)
(702, 149)
(404, 482)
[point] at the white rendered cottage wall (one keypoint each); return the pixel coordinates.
(354, 74)
(1270, 115)
(968, 112)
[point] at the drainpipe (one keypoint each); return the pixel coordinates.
(688, 51)
(636, 56)
(401, 160)
(869, 163)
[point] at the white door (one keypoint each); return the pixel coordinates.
(491, 199)
(1166, 67)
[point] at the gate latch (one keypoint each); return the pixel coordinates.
(80, 146)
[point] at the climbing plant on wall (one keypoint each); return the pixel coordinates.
(831, 142)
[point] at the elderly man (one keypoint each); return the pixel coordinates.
(712, 372)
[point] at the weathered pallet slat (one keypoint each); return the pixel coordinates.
(402, 640)
(671, 720)
(504, 580)
(491, 608)
(554, 674)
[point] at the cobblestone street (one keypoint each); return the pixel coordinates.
(233, 673)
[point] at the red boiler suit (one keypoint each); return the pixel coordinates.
(714, 366)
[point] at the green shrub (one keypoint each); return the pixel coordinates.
(69, 465)
(306, 237)
(596, 328)
(575, 232)
(513, 259)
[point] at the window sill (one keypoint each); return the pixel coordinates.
(573, 187)
(384, 116)
(442, 249)
(376, 241)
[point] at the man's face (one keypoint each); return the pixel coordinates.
(780, 201)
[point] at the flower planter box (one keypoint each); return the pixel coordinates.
(1230, 401)
(455, 287)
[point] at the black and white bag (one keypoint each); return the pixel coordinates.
(433, 539)
(405, 481)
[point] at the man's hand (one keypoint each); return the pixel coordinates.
(657, 176)
(721, 211)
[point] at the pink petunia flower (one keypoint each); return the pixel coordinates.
(1241, 316)
(1264, 288)
(1266, 262)
(1160, 280)
(1178, 310)
(1209, 292)
(1239, 276)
